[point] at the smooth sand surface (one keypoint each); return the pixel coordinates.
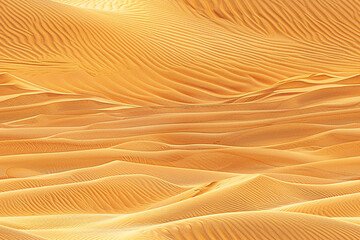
(179, 119)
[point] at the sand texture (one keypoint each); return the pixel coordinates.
(179, 119)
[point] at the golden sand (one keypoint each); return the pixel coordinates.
(179, 119)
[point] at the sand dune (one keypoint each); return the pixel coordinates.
(247, 225)
(8, 233)
(124, 51)
(189, 119)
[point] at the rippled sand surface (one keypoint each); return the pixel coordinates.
(179, 119)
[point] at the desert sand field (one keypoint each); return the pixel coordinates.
(179, 119)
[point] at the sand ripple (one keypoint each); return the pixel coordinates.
(189, 119)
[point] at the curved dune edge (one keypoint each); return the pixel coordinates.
(156, 180)
(260, 225)
(9, 233)
(179, 119)
(122, 50)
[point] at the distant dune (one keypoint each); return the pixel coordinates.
(179, 119)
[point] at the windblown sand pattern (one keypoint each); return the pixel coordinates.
(179, 119)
